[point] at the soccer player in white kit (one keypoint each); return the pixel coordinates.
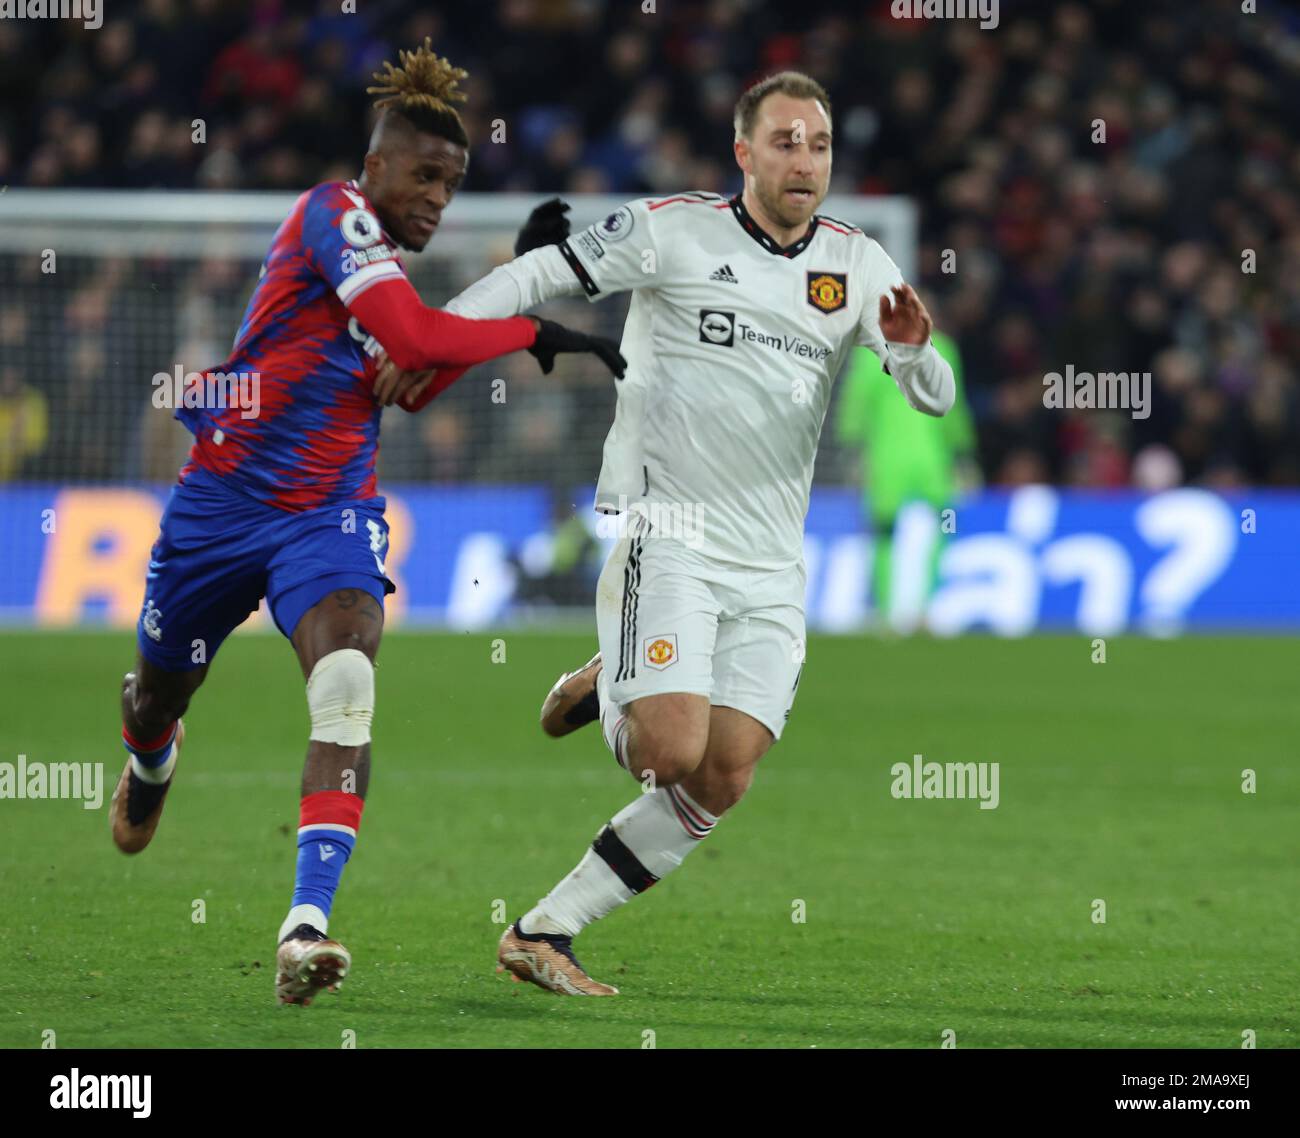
(742, 312)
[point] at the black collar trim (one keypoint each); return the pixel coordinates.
(756, 231)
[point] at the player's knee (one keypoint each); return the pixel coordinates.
(341, 698)
(364, 642)
(149, 700)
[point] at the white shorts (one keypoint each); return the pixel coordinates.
(672, 620)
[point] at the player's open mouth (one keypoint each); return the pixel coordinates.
(424, 226)
(800, 195)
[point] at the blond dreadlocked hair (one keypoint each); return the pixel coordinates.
(422, 91)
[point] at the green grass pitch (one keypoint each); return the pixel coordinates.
(1119, 781)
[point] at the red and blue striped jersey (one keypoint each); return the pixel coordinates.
(305, 431)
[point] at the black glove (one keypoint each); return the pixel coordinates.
(553, 338)
(546, 225)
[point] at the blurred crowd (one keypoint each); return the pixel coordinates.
(1108, 185)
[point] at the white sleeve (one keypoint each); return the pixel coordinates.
(876, 275)
(619, 254)
(614, 255)
(923, 376)
(536, 277)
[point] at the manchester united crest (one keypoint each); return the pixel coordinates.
(828, 291)
(661, 651)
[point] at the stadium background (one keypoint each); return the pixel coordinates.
(1124, 256)
(1121, 782)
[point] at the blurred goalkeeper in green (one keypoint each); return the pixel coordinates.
(906, 459)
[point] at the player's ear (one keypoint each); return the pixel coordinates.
(741, 149)
(374, 165)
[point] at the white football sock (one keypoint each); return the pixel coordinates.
(156, 776)
(303, 915)
(650, 838)
(613, 723)
(590, 891)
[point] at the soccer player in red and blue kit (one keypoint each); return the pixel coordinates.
(282, 503)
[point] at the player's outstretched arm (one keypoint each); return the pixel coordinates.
(625, 251)
(417, 338)
(598, 262)
(539, 275)
(413, 390)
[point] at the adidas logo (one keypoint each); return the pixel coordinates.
(724, 274)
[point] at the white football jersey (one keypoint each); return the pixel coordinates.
(732, 345)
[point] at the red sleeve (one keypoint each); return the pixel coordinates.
(443, 380)
(418, 338)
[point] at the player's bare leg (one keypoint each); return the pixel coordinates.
(153, 701)
(347, 619)
(671, 735)
(664, 738)
(736, 742)
(671, 728)
(701, 760)
(337, 641)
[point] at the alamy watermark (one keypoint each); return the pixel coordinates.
(986, 11)
(680, 521)
(946, 780)
(87, 11)
(53, 780)
(215, 390)
(75, 1091)
(1109, 390)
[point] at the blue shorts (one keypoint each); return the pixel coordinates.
(219, 552)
